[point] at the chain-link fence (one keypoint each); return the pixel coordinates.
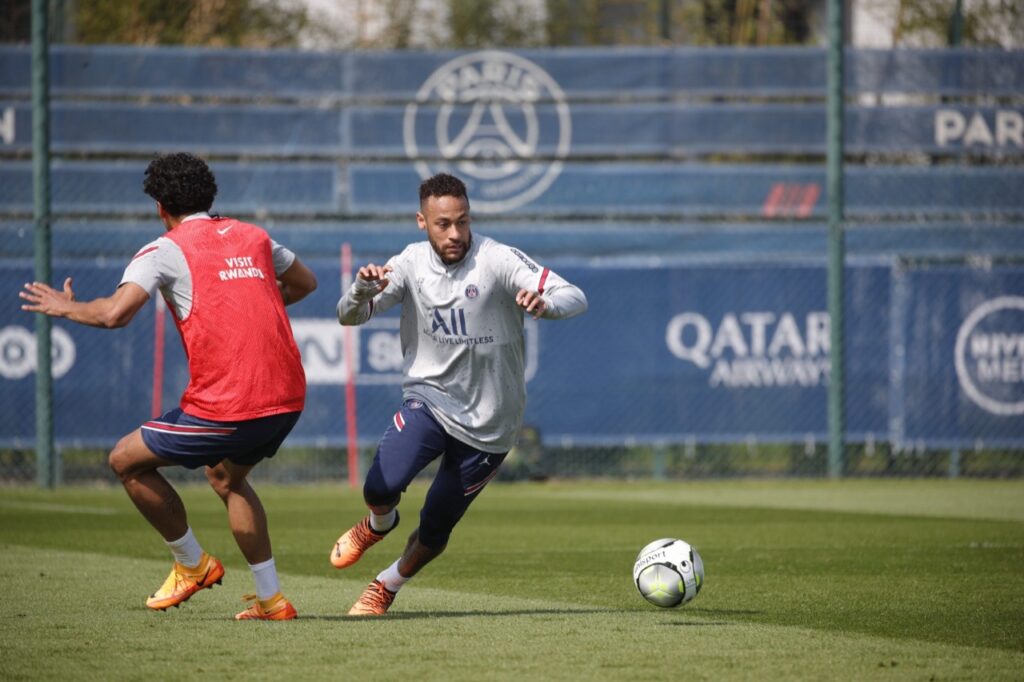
(681, 189)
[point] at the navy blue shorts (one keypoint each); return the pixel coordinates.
(412, 441)
(193, 442)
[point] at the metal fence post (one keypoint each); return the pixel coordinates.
(836, 94)
(46, 474)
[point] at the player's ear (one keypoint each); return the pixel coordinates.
(421, 220)
(164, 215)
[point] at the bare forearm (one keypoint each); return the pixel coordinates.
(100, 312)
(292, 294)
(297, 282)
(108, 313)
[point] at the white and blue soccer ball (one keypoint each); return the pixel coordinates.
(668, 572)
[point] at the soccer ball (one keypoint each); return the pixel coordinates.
(668, 572)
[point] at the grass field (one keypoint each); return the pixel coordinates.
(806, 580)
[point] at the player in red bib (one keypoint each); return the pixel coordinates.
(226, 283)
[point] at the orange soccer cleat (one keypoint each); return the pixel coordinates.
(183, 582)
(359, 538)
(375, 600)
(275, 608)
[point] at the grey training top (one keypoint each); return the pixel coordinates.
(462, 333)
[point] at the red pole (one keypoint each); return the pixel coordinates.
(352, 433)
(158, 359)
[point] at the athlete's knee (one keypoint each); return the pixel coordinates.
(218, 480)
(222, 482)
(381, 504)
(378, 494)
(120, 460)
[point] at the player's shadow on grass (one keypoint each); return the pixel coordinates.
(422, 615)
(419, 615)
(724, 612)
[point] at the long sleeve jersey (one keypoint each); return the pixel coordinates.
(462, 332)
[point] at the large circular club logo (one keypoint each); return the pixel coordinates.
(482, 116)
(990, 355)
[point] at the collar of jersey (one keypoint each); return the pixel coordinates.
(196, 216)
(474, 244)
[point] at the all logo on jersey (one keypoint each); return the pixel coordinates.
(448, 327)
(472, 291)
(454, 325)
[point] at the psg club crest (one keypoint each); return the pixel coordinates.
(472, 291)
(497, 120)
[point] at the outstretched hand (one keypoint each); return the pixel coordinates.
(375, 274)
(42, 298)
(531, 302)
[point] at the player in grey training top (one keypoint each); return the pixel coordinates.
(464, 391)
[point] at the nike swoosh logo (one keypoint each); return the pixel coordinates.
(225, 230)
(202, 581)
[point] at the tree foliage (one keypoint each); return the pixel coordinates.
(984, 23)
(680, 22)
(213, 23)
(748, 22)
(486, 23)
(475, 24)
(15, 24)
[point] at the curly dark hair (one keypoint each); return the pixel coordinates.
(442, 185)
(182, 183)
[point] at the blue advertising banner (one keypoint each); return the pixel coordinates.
(541, 190)
(119, 239)
(576, 131)
(103, 380)
(666, 353)
(962, 359)
(115, 187)
(584, 72)
(693, 189)
(712, 353)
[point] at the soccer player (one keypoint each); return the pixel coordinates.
(463, 302)
(226, 283)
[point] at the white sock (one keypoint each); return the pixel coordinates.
(382, 523)
(186, 549)
(392, 579)
(265, 574)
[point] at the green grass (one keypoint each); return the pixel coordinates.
(806, 580)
